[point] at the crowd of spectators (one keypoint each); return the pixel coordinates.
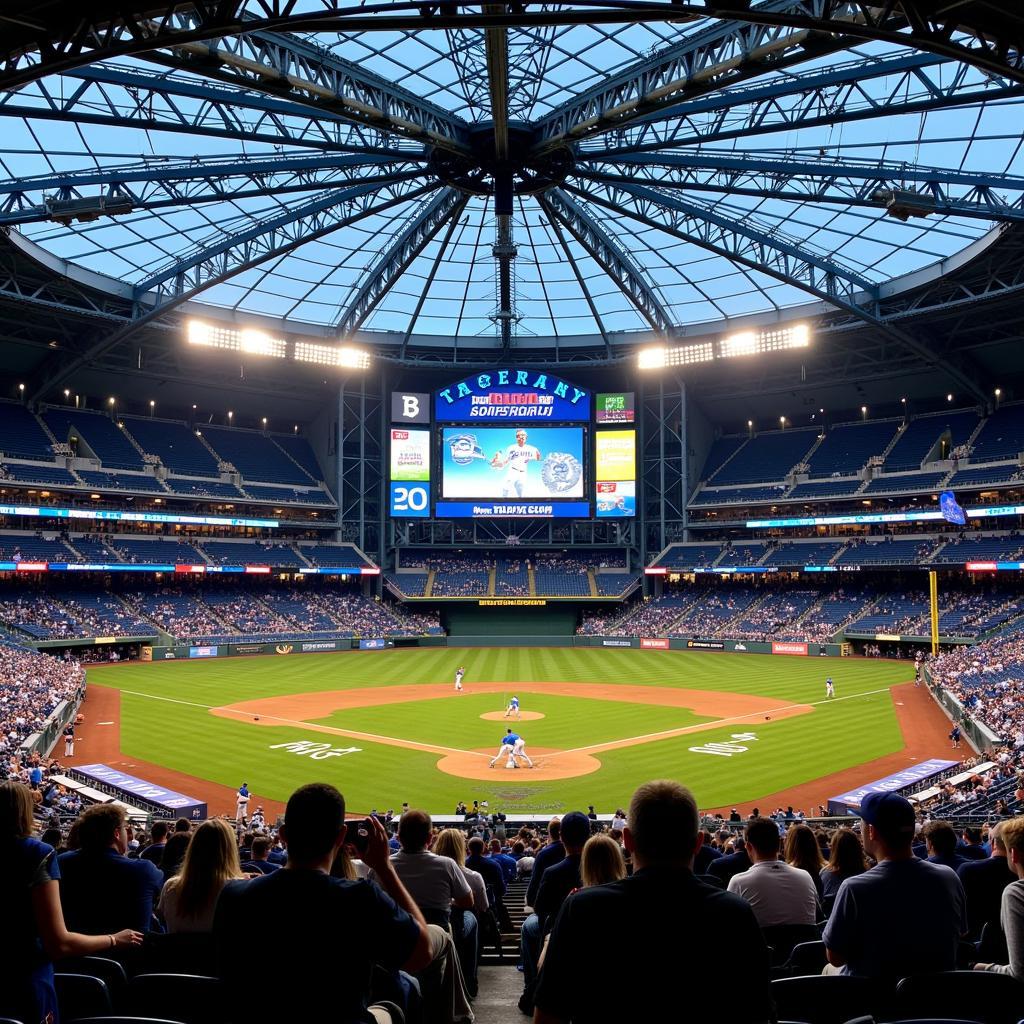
(31, 687)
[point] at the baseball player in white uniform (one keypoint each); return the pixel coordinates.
(458, 679)
(242, 802)
(830, 690)
(516, 460)
(513, 708)
(519, 750)
(506, 748)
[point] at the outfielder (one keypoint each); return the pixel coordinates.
(507, 748)
(513, 708)
(516, 458)
(830, 690)
(458, 679)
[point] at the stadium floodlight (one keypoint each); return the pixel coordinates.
(232, 339)
(261, 344)
(742, 344)
(331, 355)
(680, 355)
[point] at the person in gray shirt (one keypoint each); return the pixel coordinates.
(905, 916)
(1011, 914)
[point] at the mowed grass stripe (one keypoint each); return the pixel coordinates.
(786, 753)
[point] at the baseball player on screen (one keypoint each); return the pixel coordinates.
(516, 459)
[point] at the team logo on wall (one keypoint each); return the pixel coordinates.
(464, 449)
(560, 472)
(284, 649)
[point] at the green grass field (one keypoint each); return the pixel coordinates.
(165, 719)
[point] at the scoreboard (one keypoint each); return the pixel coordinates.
(512, 443)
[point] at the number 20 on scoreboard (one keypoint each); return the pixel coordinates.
(410, 500)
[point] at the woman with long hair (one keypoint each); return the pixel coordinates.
(451, 843)
(34, 934)
(802, 851)
(847, 860)
(602, 861)
(187, 900)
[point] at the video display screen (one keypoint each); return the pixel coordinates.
(513, 462)
(615, 460)
(615, 408)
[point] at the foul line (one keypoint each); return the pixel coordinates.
(704, 726)
(394, 741)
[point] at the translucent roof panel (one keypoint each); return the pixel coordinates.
(658, 181)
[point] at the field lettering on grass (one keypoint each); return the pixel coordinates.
(388, 727)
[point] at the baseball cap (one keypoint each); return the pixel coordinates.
(575, 828)
(890, 813)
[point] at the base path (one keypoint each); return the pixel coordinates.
(304, 709)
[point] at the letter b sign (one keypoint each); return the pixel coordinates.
(409, 407)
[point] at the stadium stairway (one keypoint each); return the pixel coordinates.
(515, 902)
(532, 578)
(428, 589)
(593, 583)
(491, 581)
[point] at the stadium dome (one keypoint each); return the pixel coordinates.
(583, 179)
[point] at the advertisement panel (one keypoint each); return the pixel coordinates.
(850, 801)
(203, 652)
(616, 643)
(653, 643)
(616, 498)
(373, 644)
(512, 462)
(247, 648)
(410, 454)
(615, 408)
(616, 455)
(512, 395)
(615, 463)
(320, 645)
(784, 647)
(705, 645)
(501, 509)
(409, 407)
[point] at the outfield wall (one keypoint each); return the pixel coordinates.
(186, 652)
(979, 736)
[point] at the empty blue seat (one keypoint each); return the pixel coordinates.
(104, 438)
(176, 445)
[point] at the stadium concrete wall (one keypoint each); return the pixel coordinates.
(509, 624)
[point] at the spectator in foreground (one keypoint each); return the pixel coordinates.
(1012, 911)
(584, 964)
(324, 968)
(847, 860)
(101, 889)
(34, 933)
(904, 916)
(802, 851)
(188, 900)
(778, 893)
(602, 861)
(984, 882)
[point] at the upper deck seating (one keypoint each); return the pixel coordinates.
(100, 433)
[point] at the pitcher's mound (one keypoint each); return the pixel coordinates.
(499, 716)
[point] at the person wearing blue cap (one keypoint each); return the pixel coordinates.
(905, 916)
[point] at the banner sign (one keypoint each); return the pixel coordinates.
(705, 645)
(107, 515)
(319, 645)
(616, 408)
(410, 454)
(616, 643)
(653, 644)
(409, 407)
(497, 509)
(177, 805)
(203, 652)
(989, 512)
(512, 395)
(373, 644)
(951, 510)
(849, 802)
(783, 647)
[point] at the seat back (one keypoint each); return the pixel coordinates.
(81, 995)
(782, 938)
(110, 972)
(195, 998)
(973, 995)
(825, 998)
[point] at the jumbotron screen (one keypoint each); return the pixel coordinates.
(513, 462)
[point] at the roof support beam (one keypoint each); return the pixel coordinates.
(609, 256)
(988, 35)
(220, 263)
(796, 177)
(378, 279)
